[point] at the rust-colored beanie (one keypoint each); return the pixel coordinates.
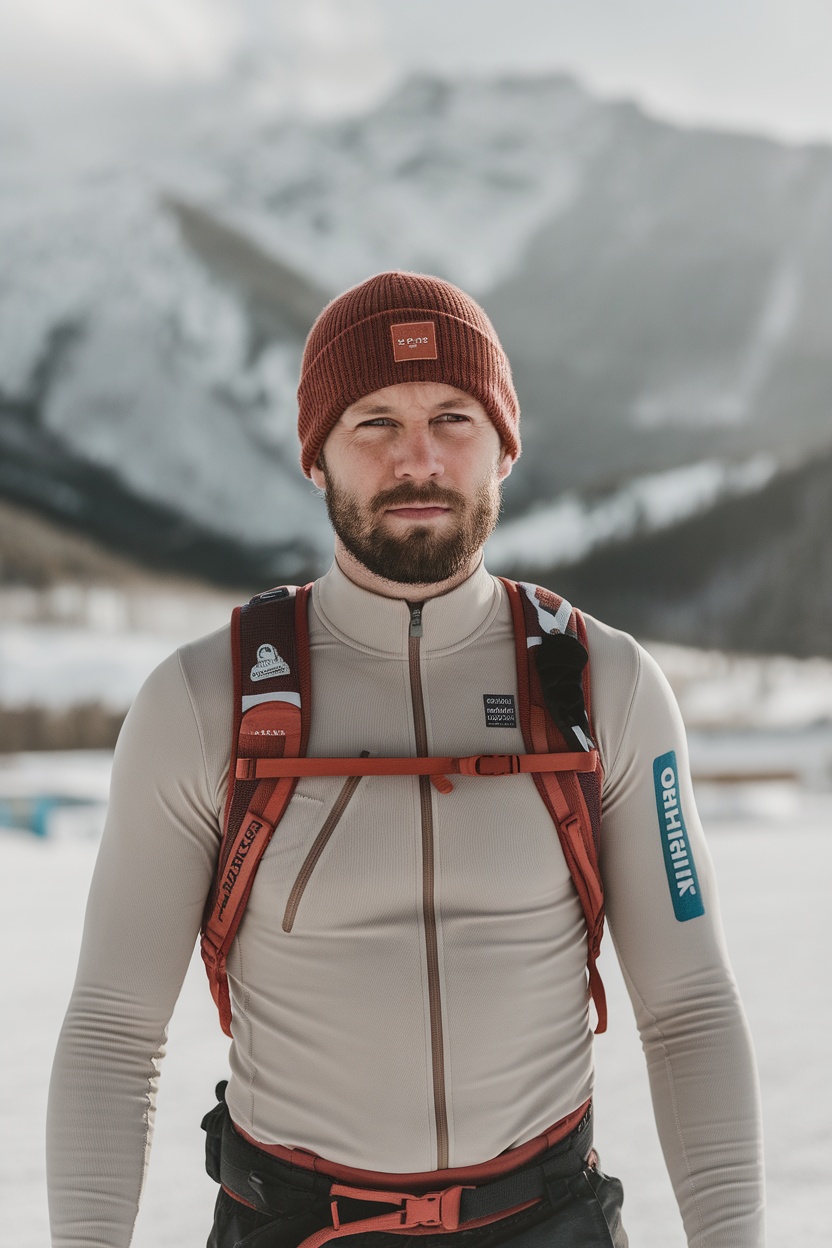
(401, 327)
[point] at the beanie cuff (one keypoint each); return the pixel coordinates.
(359, 360)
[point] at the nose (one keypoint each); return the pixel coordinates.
(417, 456)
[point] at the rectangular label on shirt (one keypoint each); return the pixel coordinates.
(500, 711)
(678, 859)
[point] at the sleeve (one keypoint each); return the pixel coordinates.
(664, 918)
(151, 878)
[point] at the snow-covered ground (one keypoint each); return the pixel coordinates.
(773, 879)
(72, 643)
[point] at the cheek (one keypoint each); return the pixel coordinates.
(361, 463)
(484, 473)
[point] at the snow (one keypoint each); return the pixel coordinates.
(773, 891)
(80, 774)
(717, 689)
(146, 364)
(346, 199)
(140, 360)
(74, 644)
(753, 716)
(61, 667)
(729, 399)
(567, 530)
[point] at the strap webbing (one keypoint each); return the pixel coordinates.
(473, 765)
(245, 837)
(562, 793)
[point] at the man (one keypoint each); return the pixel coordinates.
(408, 985)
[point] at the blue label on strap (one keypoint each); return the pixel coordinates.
(678, 859)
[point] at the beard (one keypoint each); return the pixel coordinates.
(422, 556)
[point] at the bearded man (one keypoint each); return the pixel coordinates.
(411, 1036)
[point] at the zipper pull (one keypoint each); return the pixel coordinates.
(415, 619)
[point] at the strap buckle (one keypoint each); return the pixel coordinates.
(438, 1209)
(490, 765)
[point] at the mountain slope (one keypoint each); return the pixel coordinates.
(281, 302)
(662, 293)
(677, 308)
(39, 472)
(753, 573)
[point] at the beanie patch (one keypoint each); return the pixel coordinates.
(414, 340)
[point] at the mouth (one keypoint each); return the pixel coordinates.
(414, 511)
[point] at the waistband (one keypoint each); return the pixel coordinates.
(333, 1205)
(512, 1159)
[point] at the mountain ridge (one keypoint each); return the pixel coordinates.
(753, 573)
(660, 291)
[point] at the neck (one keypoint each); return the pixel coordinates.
(365, 579)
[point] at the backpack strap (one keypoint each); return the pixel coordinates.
(270, 659)
(433, 765)
(553, 705)
(272, 701)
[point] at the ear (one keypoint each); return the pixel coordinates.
(504, 465)
(317, 475)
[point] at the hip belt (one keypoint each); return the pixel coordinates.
(278, 1188)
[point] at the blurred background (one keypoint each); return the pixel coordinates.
(644, 207)
(641, 197)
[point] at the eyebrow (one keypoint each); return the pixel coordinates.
(382, 409)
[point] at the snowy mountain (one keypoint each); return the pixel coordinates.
(751, 573)
(677, 308)
(566, 531)
(661, 292)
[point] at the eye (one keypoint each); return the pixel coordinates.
(453, 418)
(377, 422)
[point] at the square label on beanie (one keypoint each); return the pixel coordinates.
(415, 340)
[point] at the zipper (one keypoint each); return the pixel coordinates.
(428, 891)
(319, 844)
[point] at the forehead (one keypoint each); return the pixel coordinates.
(415, 397)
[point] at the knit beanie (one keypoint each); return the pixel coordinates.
(398, 327)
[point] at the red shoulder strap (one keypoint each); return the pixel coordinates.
(270, 656)
(573, 798)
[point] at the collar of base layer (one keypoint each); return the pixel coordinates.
(380, 625)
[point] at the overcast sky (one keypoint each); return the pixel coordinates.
(747, 64)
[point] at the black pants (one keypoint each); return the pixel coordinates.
(580, 1208)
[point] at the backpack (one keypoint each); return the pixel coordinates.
(272, 700)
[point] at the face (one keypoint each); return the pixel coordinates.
(412, 475)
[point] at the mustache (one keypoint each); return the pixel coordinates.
(408, 493)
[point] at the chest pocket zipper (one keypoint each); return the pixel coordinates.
(319, 844)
